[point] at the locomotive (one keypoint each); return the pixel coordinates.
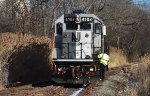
(79, 38)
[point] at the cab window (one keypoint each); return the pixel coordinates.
(85, 26)
(71, 26)
(98, 28)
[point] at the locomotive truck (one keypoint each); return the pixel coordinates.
(79, 38)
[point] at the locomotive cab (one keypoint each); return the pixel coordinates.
(79, 37)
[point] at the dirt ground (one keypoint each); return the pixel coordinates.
(114, 85)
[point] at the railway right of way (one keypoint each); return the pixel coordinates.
(50, 89)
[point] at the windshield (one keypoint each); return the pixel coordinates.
(85, 26)
(74, 26)
(71, 26)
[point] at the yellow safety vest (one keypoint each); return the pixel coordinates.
(104, 58)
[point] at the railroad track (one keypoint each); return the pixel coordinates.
(30, 90)
(112, 71)
(50, 90)
(58, 90)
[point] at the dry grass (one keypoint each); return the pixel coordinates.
(143, 74)
(140, 78)
(13, 45)
(9, 41)
(117, 57)
(145, 60)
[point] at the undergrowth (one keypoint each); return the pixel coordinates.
(142, 77)
(31, 53)
(138, 79)
(117, 57)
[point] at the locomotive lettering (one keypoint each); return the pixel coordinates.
(77, 37)
(86, 19)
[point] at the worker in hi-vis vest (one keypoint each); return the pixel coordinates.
(103, 63)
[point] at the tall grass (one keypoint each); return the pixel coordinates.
(138, 82)
(13, 44)
(117, 57)
(9, 41)
(141, 77)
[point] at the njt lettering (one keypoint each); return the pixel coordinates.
(77, 37)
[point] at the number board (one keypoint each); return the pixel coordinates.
(72, 18)
(86, 19)
(69, 19)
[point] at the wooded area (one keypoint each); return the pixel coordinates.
(127, 24)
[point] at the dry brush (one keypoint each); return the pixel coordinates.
(24, 58)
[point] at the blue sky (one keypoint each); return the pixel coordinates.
(145, 4)
(142, 1)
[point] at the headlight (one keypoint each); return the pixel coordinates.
(91, 69)
(59, 69)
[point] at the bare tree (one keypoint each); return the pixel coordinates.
(126, 23)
